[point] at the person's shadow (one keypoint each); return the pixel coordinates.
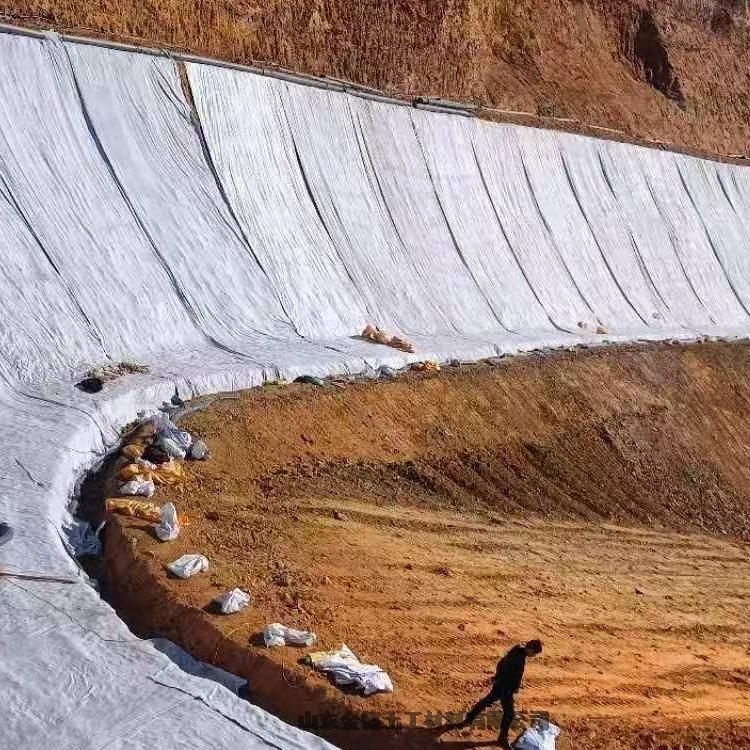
(462, 744)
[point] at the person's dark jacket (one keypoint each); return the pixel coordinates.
(509, 672)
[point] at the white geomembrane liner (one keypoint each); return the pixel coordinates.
(351, 205)
(446, 141)
(253, 151)
(253, 238)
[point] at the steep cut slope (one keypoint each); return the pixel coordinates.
(671, 70)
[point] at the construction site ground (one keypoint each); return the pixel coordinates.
(596, 499)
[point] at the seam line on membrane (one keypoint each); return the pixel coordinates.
(315, 205)
(550, 235)
(633, 241)
(669, 225)
(8, 195)
(209, 160)
(192, 314)
(710, 239)
(454, 240)
(604, 258)
(374, 180)
(507, 239)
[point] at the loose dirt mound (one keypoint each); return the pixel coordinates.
(672, 70)
(596, 500)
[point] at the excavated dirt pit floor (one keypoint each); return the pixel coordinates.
(597, 500)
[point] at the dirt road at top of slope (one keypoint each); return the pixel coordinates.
(597, 500)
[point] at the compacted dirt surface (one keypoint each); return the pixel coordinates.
(597, 500)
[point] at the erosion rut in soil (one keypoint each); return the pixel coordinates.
(597, 500)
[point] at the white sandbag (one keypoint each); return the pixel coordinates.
(166, 429)
(233, 601)
(277, 634)
(188, 565)
(168, 529)
(138, 487)
(171, 447)
(198, 451)
(539, 736)
(346, 669)
(80, 539)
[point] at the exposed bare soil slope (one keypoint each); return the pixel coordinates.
(598, 500)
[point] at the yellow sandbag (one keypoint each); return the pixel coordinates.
(168, 473)
(426, 366)
(141, 433)
(371, 333)
(401, 344)
(140, 509)
(374, 334)
(134, 509)
(133, 450)
(171, 472)
(131, 471)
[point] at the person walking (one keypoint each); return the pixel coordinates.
(505, 684)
